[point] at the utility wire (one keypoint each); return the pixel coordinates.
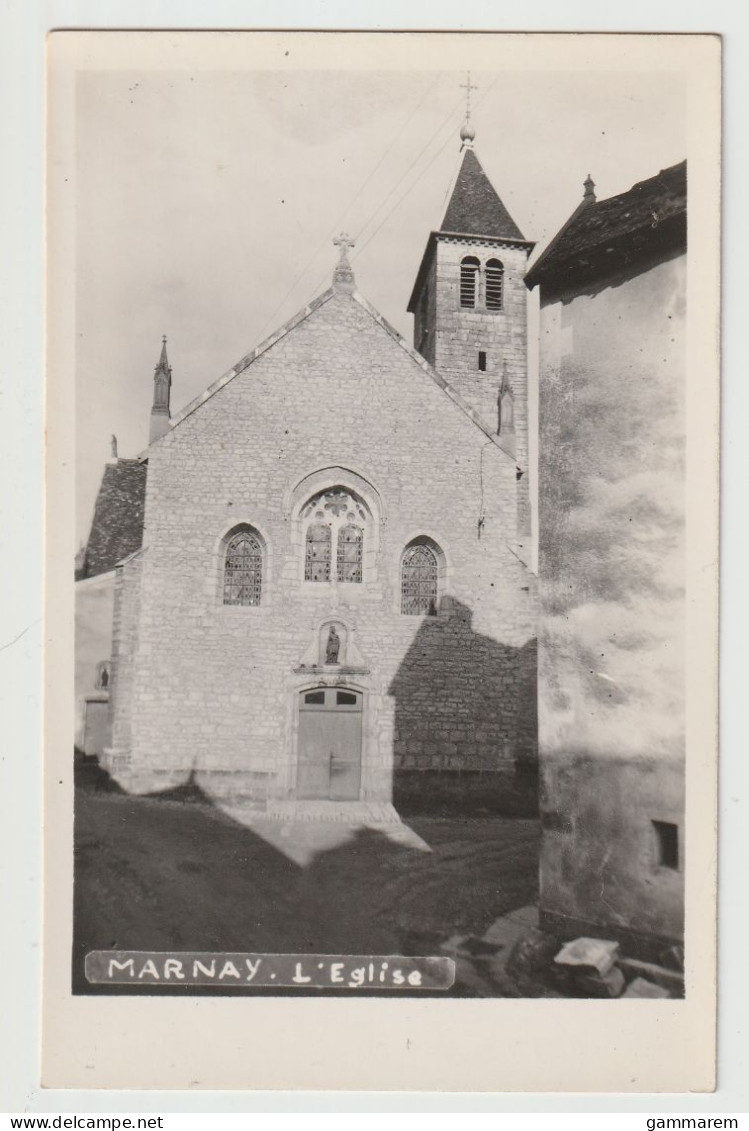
(426, 168)
(360, 247)
(403, 196)
(415, 161)
(397, 185)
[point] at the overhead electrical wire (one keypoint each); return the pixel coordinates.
(361, 247)
(337, 226)
(397, 185)
(410, 188)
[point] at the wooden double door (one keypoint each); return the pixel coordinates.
(330, 744)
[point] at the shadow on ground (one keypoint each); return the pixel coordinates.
(175, 873)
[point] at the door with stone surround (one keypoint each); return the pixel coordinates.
(330, 739)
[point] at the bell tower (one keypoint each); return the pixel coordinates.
(469, 306)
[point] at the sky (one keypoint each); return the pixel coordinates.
(207, 198)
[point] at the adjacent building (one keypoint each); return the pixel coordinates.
(611, 565)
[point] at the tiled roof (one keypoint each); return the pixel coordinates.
(117, 526)
(474, 208)
(609, 235)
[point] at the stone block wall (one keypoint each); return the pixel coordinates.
(213, 689)
(450, 337)
(501, 334)
(94, 602)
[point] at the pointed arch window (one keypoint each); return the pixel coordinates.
(469, 281)
(495, 278)
(419, 580)
(349, 556)
(243, 569)
(317, 554)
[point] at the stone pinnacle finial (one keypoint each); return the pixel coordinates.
(589, 195)
(162, 384)
(343, 276)
(113, 447)
(467, 132)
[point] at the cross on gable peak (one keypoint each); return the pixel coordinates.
(344, 242)
(343, 276)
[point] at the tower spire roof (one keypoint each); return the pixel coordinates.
(475, 207)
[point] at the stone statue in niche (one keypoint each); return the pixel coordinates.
(333, 646)
(505, 406)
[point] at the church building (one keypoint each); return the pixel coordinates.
(331, 611)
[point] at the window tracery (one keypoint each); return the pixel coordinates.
(350, 547)
(419, 580)
(243, 569)
(317, 555)
(335, 516)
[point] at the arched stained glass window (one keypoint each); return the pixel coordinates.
(243, 569)
(495, 274)
(419, 576)
(317, 554)
(469, 281)
(349, 556)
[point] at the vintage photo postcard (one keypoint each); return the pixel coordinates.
(381, 682)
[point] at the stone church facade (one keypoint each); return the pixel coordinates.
(331, 606)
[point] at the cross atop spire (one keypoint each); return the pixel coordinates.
(343, 276)
(467, 132)
(468, 86)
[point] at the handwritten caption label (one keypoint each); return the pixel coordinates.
(297, 971)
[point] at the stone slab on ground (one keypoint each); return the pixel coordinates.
(642, 988)
(504, 932)
(594, 956)
(669, 980)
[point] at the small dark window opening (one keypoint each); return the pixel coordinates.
(345, 699)
(482, 361)
(667, 844)
(314, 697)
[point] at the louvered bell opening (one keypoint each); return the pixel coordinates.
(469, 276)
(494, 285)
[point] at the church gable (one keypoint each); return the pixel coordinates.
(340, 331)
